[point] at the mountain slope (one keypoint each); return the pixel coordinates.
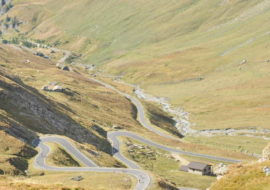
(26, 111)
(242, 177)
(209, 57)
(246, 176)
(189, 51)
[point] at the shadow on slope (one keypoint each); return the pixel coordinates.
(26, 105)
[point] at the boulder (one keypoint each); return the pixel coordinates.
(65, 68)
(220, 169)
(243, 62)
(59, 66)
(265, 154)
(58, 89)
(53, 87)
(266, 170)
(90, 67)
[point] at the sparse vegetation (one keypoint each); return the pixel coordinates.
(28, 44)
(243, 177)
(60, 157)
(14, 154)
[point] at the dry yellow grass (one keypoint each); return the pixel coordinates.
(244, 177)
(60, 181)
(60, 157)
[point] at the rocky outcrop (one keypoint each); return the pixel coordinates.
(265, 154)
(53, 88)
(220, 169)
(266, 170)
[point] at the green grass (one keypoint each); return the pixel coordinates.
(162, 45)
(232, 143)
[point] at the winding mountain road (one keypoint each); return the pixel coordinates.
(40, 162)
(140, 110)
(143, 178)
(113, 137)
(145, 123)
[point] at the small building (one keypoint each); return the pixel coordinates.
(197, 168)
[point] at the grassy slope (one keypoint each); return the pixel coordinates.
(91, 104)
(163, 44)
(238, 144)
(94, 105)
(244, 177)
(60, 157)
(160, 118)
(104, 107)
(13, 155)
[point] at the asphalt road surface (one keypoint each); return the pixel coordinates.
(113, 137)
(141, 113)
(40, 162)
